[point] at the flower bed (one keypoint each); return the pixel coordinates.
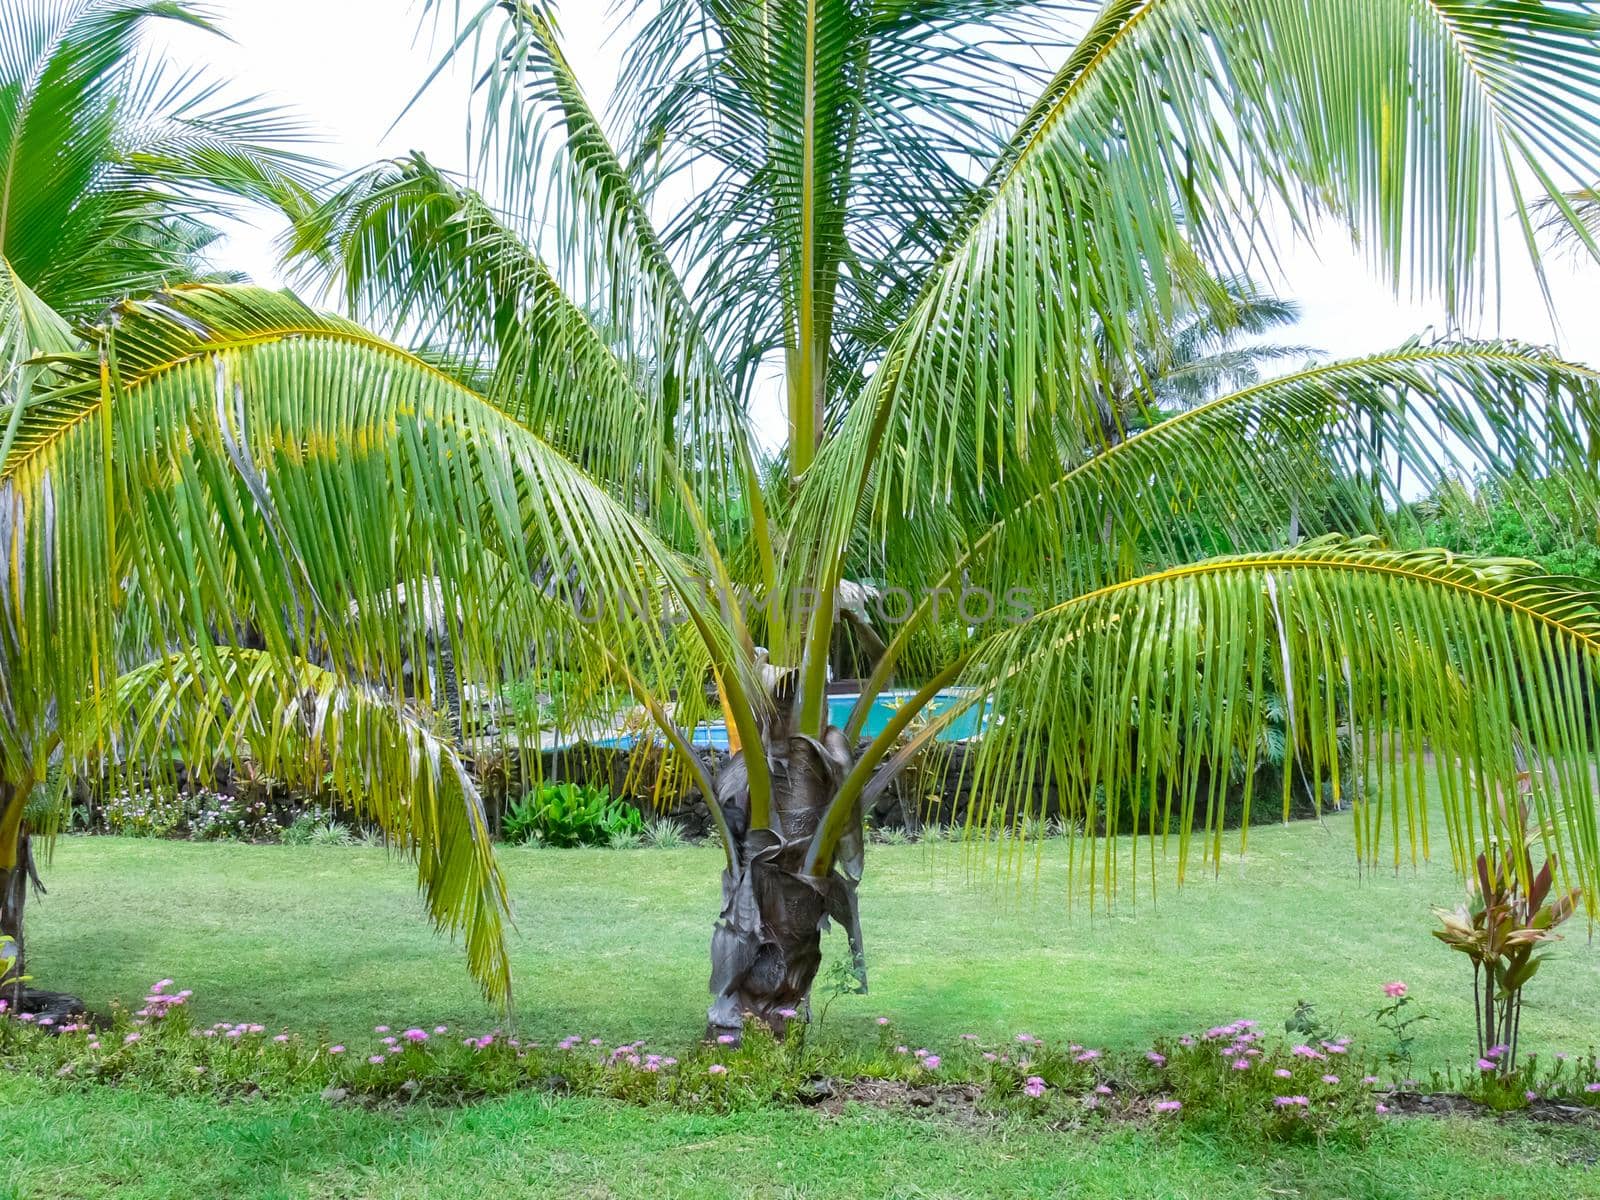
(1230, 1077)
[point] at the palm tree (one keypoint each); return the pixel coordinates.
(950, 281)
(112, 168)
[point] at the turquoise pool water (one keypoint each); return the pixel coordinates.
(714, 734)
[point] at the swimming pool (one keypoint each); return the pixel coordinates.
(713, 735)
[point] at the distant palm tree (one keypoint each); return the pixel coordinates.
(951, 281)
(112, 169)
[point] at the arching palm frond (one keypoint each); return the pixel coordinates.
(98, 150)
(380, 757)
(1124, 700)
(1475, 672)
(410, 248)
(257, 469)
(1146, 169)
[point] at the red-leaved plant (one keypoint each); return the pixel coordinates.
(1510, 913)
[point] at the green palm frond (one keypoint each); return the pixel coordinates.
(411, 248)
(1475, 671)
(378, 756)
(1573, 218)
(1146, 169)
(546, 160)
(841, 138)
(98, 149)
(224, 461)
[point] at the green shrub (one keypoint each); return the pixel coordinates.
(664, 834)
(570, 814)
(299, 831)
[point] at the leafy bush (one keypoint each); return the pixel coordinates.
(298, 832)
(331, 833)
(664, 834)
(570, 814)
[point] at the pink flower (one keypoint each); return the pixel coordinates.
(931, 1062)
(1382, 1109)
(1102, 1089)
(1530, 1095)
(920, 1053)
(25, 1016)
(1241, 1064)
(716, 1069)
(1088, 1056)
(902, 1050)
(1281, 1073)
(1330, 1079)
(380, 1029)
(415, 1035)
(391, 1040)
(1306, 1052)
(441, 1029)
(1167, 1106)
(1394, 990)
(1591, 1087)
(990, 1056)
(1499, 1051)
(1369, 1080)
(1485, 1064)
(1160, 1060)
(788, 1014)
(281, 1038)
(726, 1039)
(883, 1020)
(1026, 1038)
(1291, 1101)
(1034, 1086)
(597, 1041)
(335, 1049)
(164, 983)
(375, 1059)
(258, 1029)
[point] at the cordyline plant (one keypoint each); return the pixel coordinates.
(1510, 916)
(319, 536)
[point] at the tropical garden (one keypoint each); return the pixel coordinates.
(1070, 579)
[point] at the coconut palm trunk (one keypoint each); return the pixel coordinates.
(767, 944)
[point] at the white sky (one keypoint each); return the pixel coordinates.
(351, 66)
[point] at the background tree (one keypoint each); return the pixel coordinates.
(952, 284)
(112, 168)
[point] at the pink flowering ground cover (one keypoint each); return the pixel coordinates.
(1232, 1076)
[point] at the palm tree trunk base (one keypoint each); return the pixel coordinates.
(766, 947)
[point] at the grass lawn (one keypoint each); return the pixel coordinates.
(103, 1142)
(614, 943)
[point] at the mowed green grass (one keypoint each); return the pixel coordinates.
(614, 943)
(103, 1143)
